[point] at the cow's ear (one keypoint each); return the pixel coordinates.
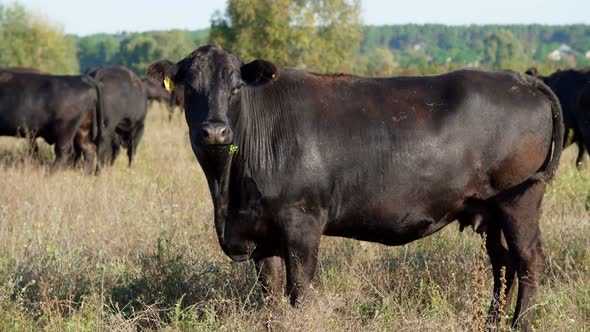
(532, 72)
(259, 72)
(163, 73)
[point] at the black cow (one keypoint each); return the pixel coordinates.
(568, 86)
(156, 93)
(584, 100)
(583, 114)
(176, 100)
(124, 110)
(52, 107)
(293, 155)
(173, 99)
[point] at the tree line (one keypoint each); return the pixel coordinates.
(488, 46)
(317, 35)
(28, 40)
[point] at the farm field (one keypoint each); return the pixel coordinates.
(135, 248)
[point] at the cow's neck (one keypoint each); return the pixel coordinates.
(217, 166)
(264, 131)
(265, 138)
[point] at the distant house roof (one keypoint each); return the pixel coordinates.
(555, 55)
(419, 46)
(563, 52)
(564, 48)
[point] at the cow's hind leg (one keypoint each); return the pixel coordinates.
(519, 212)
(171, 109)
(133, 142)
(63, 154)
(582, 135)
(64, 144)
(84, 147)
(504, 269)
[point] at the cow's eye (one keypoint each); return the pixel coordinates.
(236, 89)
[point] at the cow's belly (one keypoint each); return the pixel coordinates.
(8, 125)
(7, 131)
(13, 123)
(394, 210)
(388, 227)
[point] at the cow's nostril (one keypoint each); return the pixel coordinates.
(215, 133)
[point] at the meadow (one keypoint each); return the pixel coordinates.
(135, 248)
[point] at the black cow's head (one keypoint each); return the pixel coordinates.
(212, 79)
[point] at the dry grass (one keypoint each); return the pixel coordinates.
(135, 248)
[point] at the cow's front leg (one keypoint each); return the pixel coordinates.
(302, 241)
(271, 275)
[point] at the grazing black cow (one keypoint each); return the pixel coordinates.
(124, 110)
(568, 86)
(51, 107)
(292, 155)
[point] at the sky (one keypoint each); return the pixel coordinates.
(85, 17)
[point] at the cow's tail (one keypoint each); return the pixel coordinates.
(97, 121)
(547, 172)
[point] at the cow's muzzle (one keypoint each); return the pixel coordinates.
(236, 253)
(216, 133)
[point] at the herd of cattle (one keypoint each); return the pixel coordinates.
(291, 155)
(87, 117)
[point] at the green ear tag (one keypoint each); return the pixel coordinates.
(233, 149)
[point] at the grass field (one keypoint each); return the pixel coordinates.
(135, 248)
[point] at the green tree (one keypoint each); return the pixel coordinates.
(502, 50)
(137, 51)
(377, 62)
(28, 40)
(97, 50)
(322, 35)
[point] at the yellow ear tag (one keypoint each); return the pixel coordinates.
(168, 84)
